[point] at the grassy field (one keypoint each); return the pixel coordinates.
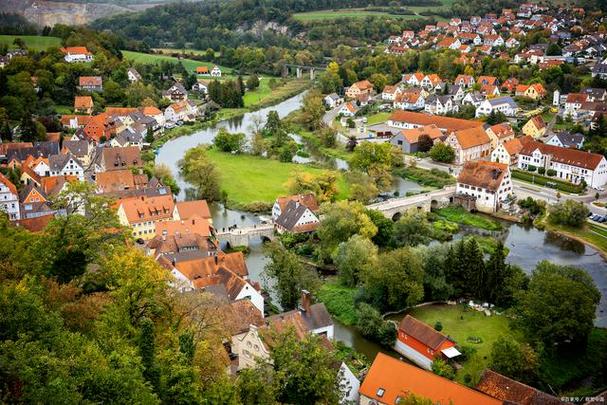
(377, 118)
(432, 178)
(339, 301)
(264, 95)
(189, 64)
(34, 42)
(461, 323)
(461, 216)
(248, 179)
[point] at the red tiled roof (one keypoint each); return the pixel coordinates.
(445, 123)
(568, 156)
(487, 175)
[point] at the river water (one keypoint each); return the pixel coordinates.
(527, 246)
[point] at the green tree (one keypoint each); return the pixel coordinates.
(293, 359)
(394, 280)
(258, 385)
(513, 359)
(384, 226)
(568, 212)
(559, 306)
(441, 152)
(313, 110)
(442, 368)
(412, 229)
(289, 275)
(351, 256)
(229, 142)
(197, 169)
(252, 82)
(339, 222)
(424, 143)
(372, 326)
(147, 349)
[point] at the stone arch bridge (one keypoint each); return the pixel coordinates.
(243, 236)
(394, 208)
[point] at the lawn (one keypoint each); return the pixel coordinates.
(377, 118)
(264, 95)
(461, 216)
(189, 64)
(249, 179)
(339, 301)
(432, 178)
(34, 42)
(460, 323)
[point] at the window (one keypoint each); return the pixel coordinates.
(380, 392)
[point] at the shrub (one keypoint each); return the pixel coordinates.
(442, 368)
(531, 168)
(551, 172)
(569, 212)
(541, 170)
(438, 326)
(372, 326)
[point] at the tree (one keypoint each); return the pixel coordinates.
(496, 117)
(441, 152)
(568, 212)
(229, 142)
(394, 280)
(327, 136)
(198, 170)
(252, 82)
(436, 286)
(424, 143)
(163, 173)
(502, 279)
(372, 326)
(147, 349)
(377, 160)
(411, 230)
(339, 222)
(513, 359)
(559, 306)
(313, 110)
(288, 274)
(379, 81)
(384, 226)
(293, 359)
(442, 368)
(351, 256)
(258, 385)
(31, 130)
(323, 185)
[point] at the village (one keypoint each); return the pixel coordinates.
(429, 277)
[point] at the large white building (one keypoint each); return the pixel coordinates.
(505, 105)
(568, 164)
(74, 54)
(488, 183)
(9, 198)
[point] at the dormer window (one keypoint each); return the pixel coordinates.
(380, 392)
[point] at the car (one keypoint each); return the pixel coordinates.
(602, 219)
(590, 214)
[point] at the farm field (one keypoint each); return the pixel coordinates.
(34, 42)
(264, 95)
(248, 179)
(347, 13)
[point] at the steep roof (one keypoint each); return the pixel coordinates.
(423, 332)
(115, 180)
(471, 137)
(309, 200)
(121, 158)
(487, 175)
(573, 157)
(389, 379)
(193, 209)
(4, 180)
(444, 123)
(83, 102)
(199, 226)
(90, 81)
(75, 50)
(291, 215)
(502, 130)
(568, 139)
(511, 391)
(413, 135)
(143, 209)
(514, 146)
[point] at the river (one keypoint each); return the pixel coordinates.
(527, 246)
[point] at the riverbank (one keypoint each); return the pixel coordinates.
(291, 89)
(588, 234)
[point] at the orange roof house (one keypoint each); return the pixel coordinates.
(75, 50)
(513, 392)
(185, 210)
(410, 119)
(83, 104)
(202, 70)
(390, 380)
(422, 344)
(469, 144)
(533, 91)
(485, 80)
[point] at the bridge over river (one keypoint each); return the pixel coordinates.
(393, 208)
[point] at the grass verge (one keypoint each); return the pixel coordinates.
(592, 234)
(542, 180)
(461, 216)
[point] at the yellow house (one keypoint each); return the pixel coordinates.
(533, 91)
(535, 127)
(142, 213)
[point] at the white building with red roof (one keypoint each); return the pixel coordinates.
(9, 198)
(77, 54)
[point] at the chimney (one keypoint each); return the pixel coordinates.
(216, 260)
(306, 300)
(174, 261)
(164, 234)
